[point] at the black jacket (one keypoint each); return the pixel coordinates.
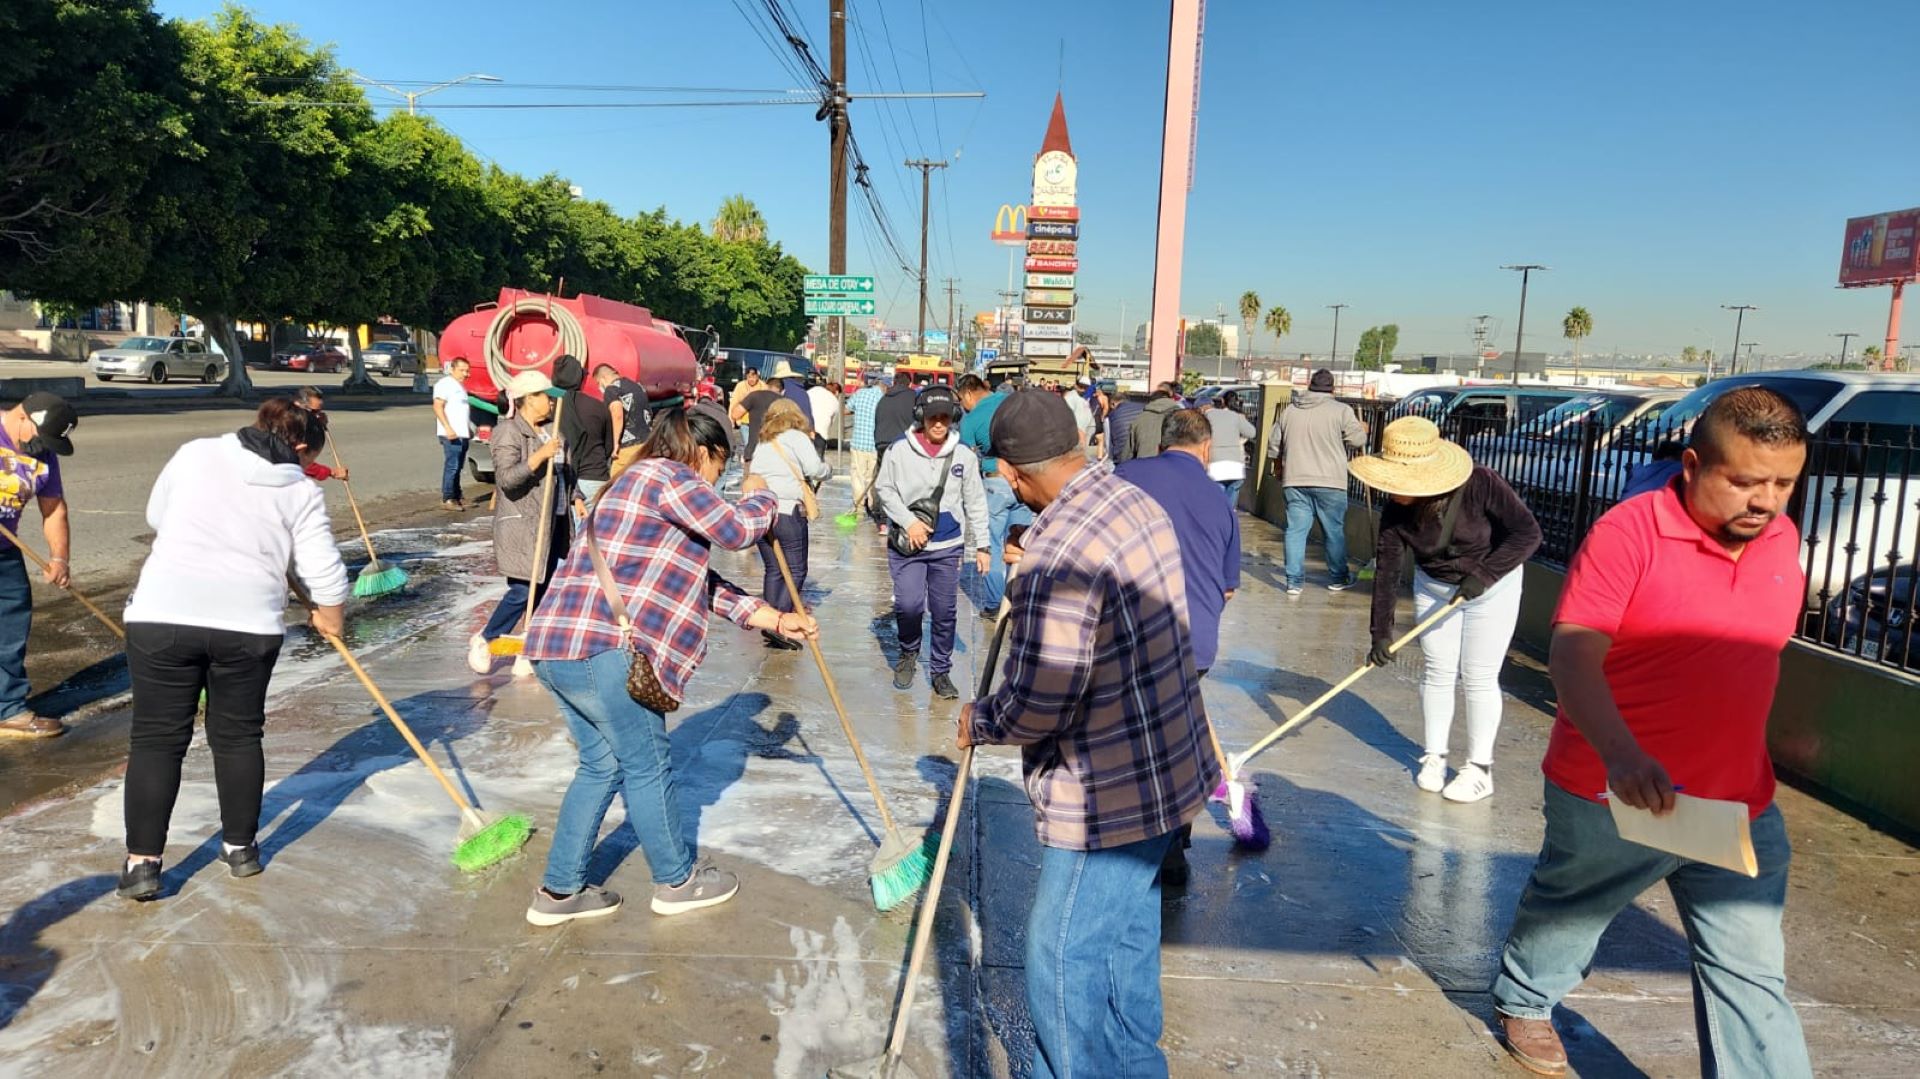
(1493, 534)
(894, 416)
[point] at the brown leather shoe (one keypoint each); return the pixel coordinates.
(1534, 1044)
(28, 725)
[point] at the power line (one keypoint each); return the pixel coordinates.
(288, 103)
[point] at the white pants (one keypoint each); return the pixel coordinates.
(1469, 646)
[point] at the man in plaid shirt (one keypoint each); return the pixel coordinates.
(864, 402)
(1102, 696)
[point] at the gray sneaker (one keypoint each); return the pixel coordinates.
(903, 670)
(588, 902)
(707, 886)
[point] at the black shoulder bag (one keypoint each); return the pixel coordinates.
(926, 509)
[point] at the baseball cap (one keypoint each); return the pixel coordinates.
(939, 399)
(55, 419)
(528, 383)
(1030, 427)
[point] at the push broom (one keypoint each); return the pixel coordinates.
(512, 644)
(46, 565)
(1239, 761)
(899, 868)
(376, 578)
(889, 1065)
(483, 842)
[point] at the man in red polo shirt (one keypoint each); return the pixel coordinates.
(1666, 651)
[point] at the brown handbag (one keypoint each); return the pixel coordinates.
(643, 684)
(809, 506)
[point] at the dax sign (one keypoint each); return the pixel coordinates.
(1050, 297)
(1058, 316)
(1053, 213)
(1053, 230)
(1052, 265)
(1010, 224)
(1049, 280)
(1047, 349)
(1062, 248)
(1037, 332)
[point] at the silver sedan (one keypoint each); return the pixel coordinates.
(157, 359)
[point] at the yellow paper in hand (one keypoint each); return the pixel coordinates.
(1710, 830)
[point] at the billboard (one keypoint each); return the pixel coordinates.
(1049, 280)
(1058, 316)
(1053, 230)
(1053, 213)
(1050, 333)
(1055, 179)
(1880, 249)
(1053, 265)
(1010, 224)
(1061, 248)
(1049, 297)
(1048, 348)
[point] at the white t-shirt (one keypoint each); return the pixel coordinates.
(459, 413)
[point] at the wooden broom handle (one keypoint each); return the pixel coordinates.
(541, 537)
(1340, 687)
(47, 566)
(333, 444)
(466, 811)
(839, 708)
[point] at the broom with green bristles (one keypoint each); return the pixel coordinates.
(899, 868)
(377, 578)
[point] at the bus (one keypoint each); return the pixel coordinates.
(925, 370)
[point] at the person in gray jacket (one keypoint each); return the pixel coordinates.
(524, 450)
(1145, 440)
(928, 580)
(1310, 445)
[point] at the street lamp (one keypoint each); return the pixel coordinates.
(1739, 320)
(413, 96)
(1333, 355)
(1845, 340)
(1520, 332)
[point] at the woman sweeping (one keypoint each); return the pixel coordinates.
(524, 447)
(786, 458)
(1469, 534)
(653, 527)
(229, 516)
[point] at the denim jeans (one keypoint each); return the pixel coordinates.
(16, 621)
(454, 450)
(623, 749)
(1305, 505)
(927, 582)
(1232, 487)
(1093, 962)
(1587, 875)
(1003, 512)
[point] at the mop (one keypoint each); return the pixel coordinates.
(889, 1064)
(898, 868)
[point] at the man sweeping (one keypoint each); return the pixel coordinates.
(1103, 698)
(33, 438)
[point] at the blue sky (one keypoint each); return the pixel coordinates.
(1662, 158)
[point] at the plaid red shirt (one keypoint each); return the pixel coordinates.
(1101, 693)
(655, 526)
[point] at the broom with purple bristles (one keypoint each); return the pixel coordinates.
(1248, 827)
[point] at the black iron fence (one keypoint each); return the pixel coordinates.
(1857, 506)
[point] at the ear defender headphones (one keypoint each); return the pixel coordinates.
(933, 394)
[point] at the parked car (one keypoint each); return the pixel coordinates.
(730, 365)
(157, 359)
(1874, 618)
(1480, 410)
(323, 359)
(1431, 402)
(394, 359)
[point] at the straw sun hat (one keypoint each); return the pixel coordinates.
(1413, 461)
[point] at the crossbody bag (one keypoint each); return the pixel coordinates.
(926, 510)
(809, 505)
(643, 684)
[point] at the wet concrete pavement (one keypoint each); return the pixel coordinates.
(1363, 942)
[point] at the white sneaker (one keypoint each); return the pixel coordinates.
(1471, 784)
(522, 667)
(479, 660)
(1433, 773)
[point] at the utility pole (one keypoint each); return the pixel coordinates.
(836, 105)
(1739, 320)
(1845, 340)
(1749, 346)
(1007, 298)
(1333, 354)
(1520, 332)
(953, 351)
(1480, 343)
(926, 168)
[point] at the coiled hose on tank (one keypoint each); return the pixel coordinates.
(572, 338)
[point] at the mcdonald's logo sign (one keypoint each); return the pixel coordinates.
(1010, 225)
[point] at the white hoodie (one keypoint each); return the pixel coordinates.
(228, 526)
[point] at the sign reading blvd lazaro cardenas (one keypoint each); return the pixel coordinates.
(1052, 235)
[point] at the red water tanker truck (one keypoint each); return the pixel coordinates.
(527, 331)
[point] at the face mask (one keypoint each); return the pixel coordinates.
(38, 446)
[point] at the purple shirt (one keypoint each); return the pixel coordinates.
(22, 480)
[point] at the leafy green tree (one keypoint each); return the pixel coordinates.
(1249, 313)
(1191, 380)
(1689, 355)
(1871, 357)
(1576, 326)
(1205, 339)
(739, 221)
(1375, 350)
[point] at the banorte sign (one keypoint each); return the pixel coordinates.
(1010, 225)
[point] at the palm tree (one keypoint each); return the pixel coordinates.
(1577, 324)
(1249, 310)
(1871, 357)
(739, 220)
(1279, 323)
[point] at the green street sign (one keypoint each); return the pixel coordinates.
(823, 305)
(839, 284)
